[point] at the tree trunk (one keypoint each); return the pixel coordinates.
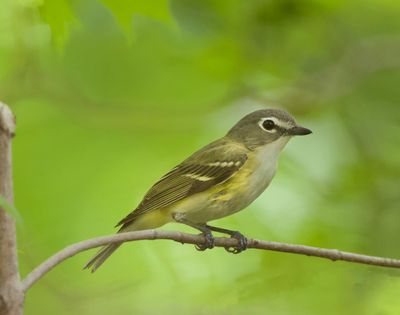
(11, 296)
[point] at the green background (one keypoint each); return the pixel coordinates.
(111, 94)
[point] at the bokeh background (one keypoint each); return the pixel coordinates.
(111, 94)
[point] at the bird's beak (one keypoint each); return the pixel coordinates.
(299, 131)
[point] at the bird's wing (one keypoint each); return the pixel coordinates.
(205, 169)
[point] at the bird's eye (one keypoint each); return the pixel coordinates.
(268, 124)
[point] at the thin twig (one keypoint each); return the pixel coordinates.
(71, 250)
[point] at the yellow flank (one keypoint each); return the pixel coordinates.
(229, 189)
(150, 220)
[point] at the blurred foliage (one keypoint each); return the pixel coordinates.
(110, 94)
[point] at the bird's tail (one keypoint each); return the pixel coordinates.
(129, 224)
(107, 250)
(101, 256)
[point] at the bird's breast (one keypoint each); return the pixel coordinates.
(245, 186)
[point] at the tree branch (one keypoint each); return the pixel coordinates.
(11, 297)
(71, 250)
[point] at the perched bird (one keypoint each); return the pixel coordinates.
(218, 180)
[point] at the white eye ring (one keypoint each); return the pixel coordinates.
(273, 119)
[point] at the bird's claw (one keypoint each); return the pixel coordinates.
(241, 246)
(208, 243)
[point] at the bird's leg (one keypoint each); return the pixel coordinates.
(205, 231)
(242, 240)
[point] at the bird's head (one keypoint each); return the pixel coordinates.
(266, 126)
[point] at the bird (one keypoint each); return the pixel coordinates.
(216, 181)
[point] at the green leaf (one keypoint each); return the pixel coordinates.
(59, 15)
(124, 11)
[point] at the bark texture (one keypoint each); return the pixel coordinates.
(11, 296)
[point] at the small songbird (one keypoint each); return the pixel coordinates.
(220, 179)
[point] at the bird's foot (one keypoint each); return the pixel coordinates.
(241, 246)
(208, 243)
